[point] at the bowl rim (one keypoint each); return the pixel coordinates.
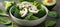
(28, 20)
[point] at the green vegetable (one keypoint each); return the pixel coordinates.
(4, 20)
(33, 18)
(26, 0)
(50, 23)
(2, 13)
(28, 16)
(41, 13)
(52, 14)
(8, 5)
(15, 11)
(37, 4)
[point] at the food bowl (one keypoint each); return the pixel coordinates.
(29, 22)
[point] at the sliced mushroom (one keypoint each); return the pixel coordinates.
(24, 4)
(19, 4)
(23, 12)
(33, 9)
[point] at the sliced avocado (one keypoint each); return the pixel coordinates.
(49, 2)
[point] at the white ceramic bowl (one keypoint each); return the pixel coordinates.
(27, 22)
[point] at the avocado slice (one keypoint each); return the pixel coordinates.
(49, 2)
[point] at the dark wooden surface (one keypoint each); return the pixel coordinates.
(57, 8)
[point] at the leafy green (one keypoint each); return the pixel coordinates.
(26, 0)
(28, 15)
(20, 0)
(50, 23)
(8, 5)
(15, 12)
(4, 20)
(41, 13)
(2, 13)
(38, 5)
(52, 13)
(33, 18)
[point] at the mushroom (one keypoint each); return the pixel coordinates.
(23, 12)
(33, 9)
(24, 4)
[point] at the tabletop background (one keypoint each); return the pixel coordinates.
(57, 8)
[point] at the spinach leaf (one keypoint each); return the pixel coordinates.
(33, 18)
(41, 13)
(28, 16)
(26, 0)
(52, 14)
(4, 20)
(15, 12)
(50, 22)
(2, 13)
(38, 5)
(8, 5)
